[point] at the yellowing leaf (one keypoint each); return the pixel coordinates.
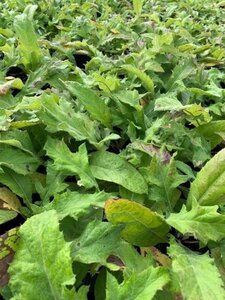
(142, 227)
(9, 199)
(137, 4)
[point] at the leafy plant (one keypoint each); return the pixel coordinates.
(112, 177)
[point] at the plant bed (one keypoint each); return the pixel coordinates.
(112, 159)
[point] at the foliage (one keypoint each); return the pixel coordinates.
(112, 162)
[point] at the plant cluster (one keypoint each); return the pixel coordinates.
(112, 159)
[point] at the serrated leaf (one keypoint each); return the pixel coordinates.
(139, 286)
(71, 163)
(110, 167)
(39, 258)
(75, 205)
(62, 117)
(197, 275)
(204, 222)
(98, 241)
(209, 186)
(142, 227)
(91, 102)
(163, 180)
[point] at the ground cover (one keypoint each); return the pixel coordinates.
(112, 159)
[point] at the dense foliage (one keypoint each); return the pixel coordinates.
(112, 159)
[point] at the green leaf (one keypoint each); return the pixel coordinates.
(110, 167)
(168, 102)
(21, 185)
(132, 260)
(139, 286)
(197, 275)
(208, 188)
(18, 160)
(62, 117)
(197, 114)
(18, 139)
(71, 163)
(137, 4)
(143, 227)
(97, 243)
(4, 120)
(163, 180)
(75, 205)
(213, 131)
(54, 184)
(41, 260)
(145, 79)
(204, 222)
(30, 51)
(180, 72)
(91, 102)
(131, 98)
(6, 215)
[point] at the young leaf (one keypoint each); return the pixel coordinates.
(91, 102)
(163, 180)
(137, 4)
(209, 186)
(62, 117)
(197, 275)
(40, 259)
(204, 222)
(30, 51)
(110, 167)
(71, 163)
(143, 227)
